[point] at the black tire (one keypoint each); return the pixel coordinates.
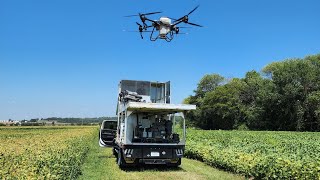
(175, 164)
(179, 162)
(120, 160)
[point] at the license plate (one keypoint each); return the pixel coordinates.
(155, 154)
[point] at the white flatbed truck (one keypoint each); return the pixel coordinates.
(146, 127)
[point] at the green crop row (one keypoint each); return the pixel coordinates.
(263, 155)
(43, 153)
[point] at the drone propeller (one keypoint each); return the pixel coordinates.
(135, 31)
(193, 10)
(177, 31)
(139, 24)
(182, 33)
(152, 13)
(140, 27)
(185, 18)
(194, 24)
(145, 14)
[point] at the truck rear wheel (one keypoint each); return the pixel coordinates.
(120, 160)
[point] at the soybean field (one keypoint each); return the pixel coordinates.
(43, 152)
(73, 153)
(259, 154)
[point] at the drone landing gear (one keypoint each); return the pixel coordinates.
(151, 36)
(170, 37)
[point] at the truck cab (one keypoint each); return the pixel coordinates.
(147, 131)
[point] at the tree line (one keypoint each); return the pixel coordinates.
(80, 120)
(284, 96)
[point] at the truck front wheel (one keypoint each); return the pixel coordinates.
(114, 152)
(175, 164)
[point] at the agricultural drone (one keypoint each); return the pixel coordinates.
(165, 26)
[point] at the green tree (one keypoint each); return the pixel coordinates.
(222, 108)
(207, 84)
(295, 79)
(285, 97)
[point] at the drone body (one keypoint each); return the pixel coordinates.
(165, 27)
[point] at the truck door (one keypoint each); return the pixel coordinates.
(107, 133)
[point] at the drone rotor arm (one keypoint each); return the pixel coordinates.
(173, 19)
(147, 19)
(148, 27)
(177, 22)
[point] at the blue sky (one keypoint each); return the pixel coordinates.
(65, 58)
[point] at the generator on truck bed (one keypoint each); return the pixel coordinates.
(146, 132)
